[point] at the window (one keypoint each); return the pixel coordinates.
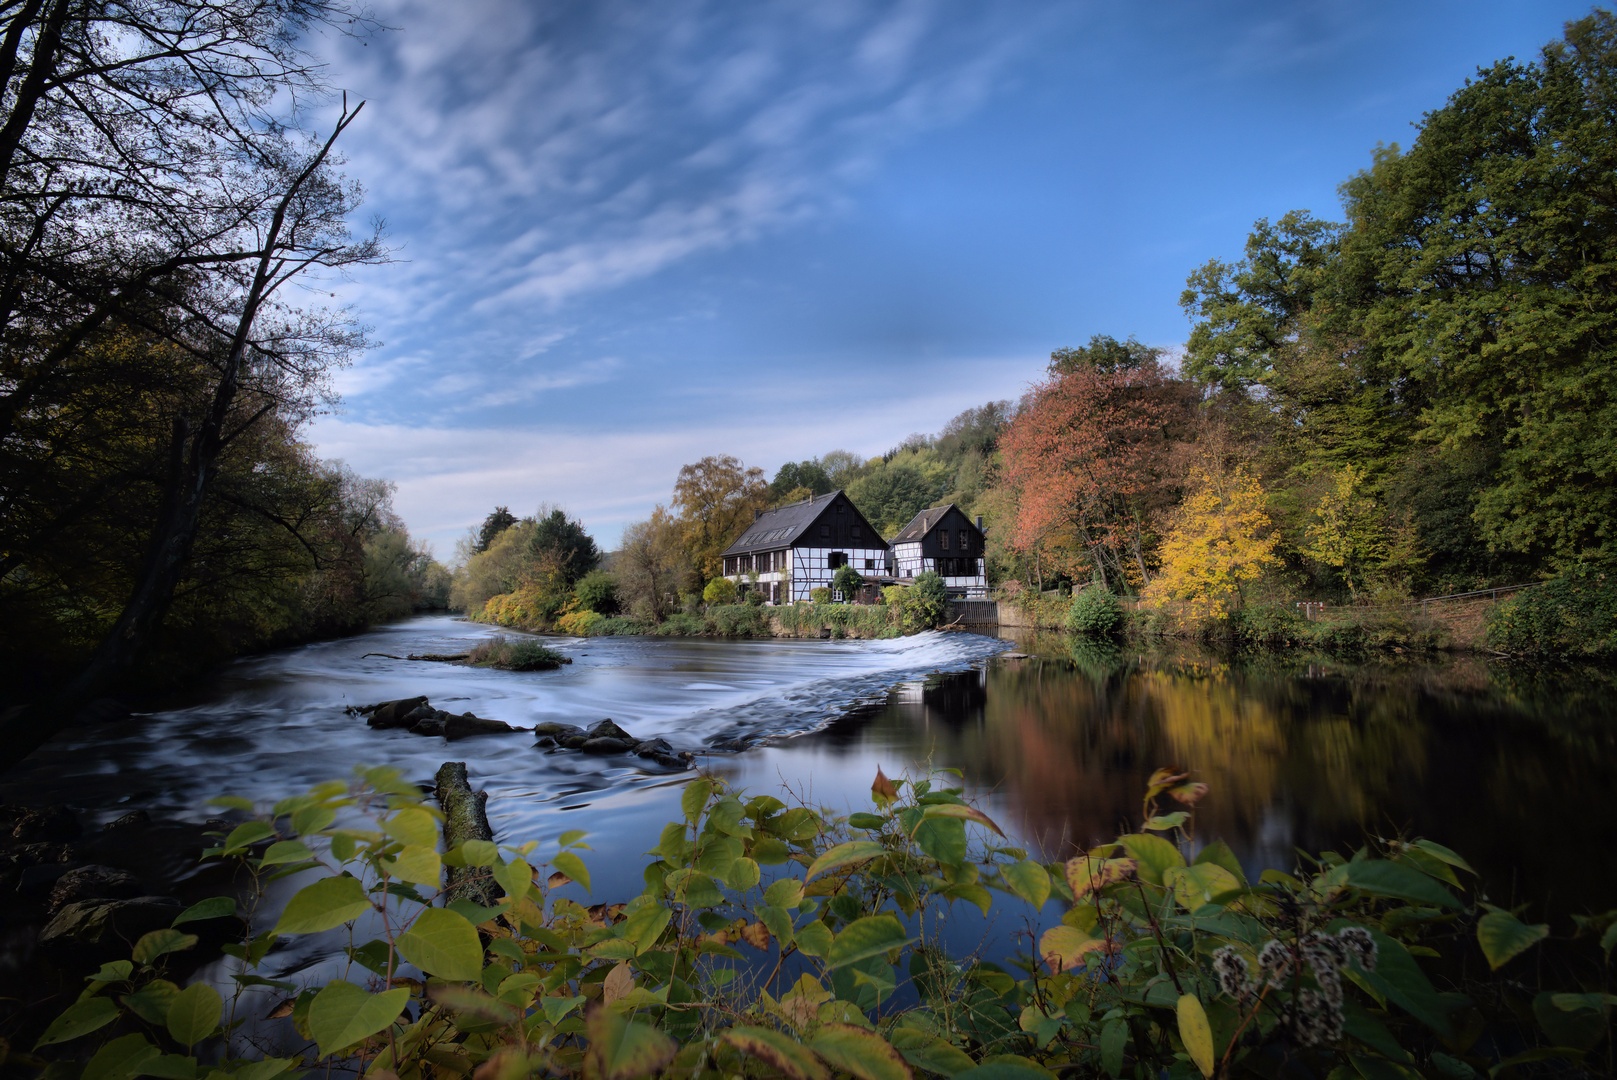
(825, 529)
(837, 559)
(943, 539)
(870, 564)
(965, 540)
(857, 533)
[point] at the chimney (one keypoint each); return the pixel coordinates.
(979, 523)
(755, 514)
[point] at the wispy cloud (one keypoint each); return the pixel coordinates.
(532, 156)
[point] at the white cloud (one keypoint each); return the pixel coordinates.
(450, 476)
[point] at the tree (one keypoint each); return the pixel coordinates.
(848, 582)
(716, 498)
(560, 551)
(1104, 354)
(597, 591)
(1087, 458)
(149, 190)
(1347, 530)
(720, 590)
(651, 563)
(493, 525)
(889, 494)
(842, 467)
(796, 475)
(1219, 538)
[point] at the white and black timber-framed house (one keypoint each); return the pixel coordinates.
(947, 542)
(793, 549)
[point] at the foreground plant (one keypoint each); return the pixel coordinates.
(772, 940)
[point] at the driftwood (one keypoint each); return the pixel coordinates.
(465, 819)
(442, 658)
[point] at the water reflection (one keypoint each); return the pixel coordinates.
(1509, 766)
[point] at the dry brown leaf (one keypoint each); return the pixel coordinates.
(284, 1009)
(1189, 794)
(1086, 873)
(557, 880)
(618, 982)
(881, 787)
(756, 934)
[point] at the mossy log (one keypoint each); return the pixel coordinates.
(465, 818)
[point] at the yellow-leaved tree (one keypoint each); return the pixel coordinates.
(1219, 537)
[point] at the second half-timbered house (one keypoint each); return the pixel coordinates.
(787, 551)
(948, 543)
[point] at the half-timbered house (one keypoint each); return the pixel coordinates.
(799, 547)
(947, 542)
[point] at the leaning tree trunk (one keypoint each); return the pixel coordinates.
(193, 465)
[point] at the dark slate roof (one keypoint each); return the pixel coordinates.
(783, 526)
(921, 524)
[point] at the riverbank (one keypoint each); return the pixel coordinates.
(793, 622)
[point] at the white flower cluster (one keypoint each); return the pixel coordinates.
(1315, 1015)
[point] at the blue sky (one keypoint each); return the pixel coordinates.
(633, 234)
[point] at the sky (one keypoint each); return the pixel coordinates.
(630, 235)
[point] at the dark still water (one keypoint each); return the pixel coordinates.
(1509, 768)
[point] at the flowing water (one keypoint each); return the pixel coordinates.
(1512, 769)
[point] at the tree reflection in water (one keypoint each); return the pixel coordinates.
(1510, 766)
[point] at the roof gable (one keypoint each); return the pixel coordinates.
(927, 520)
(793, 526)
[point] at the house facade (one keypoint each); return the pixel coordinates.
(793, 549)
(947, 542)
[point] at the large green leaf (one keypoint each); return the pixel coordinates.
(1114, 1039)
(286, 851)
(930, 1052)
(779, 1051)
(621, 1048)
(852, 853)
(323, 905)
(151, 1001)
(1503, 937)
(161, 943)
(80, 1018)
(516, 877)
(194, 1014)
(863, 1053)
(1028, 880)
(121, 1059)
(442, 943)
(1195, 886)
(744, 874)
(814, 938)
(1219, 854)
(415, 826)
(1398, 880)
(571, 865)
(942, 838)
(644, 925)
(694, 798)
(422, 865)
(872, 935)
(1155, 855)
(1194, 1030)
(215, 907)
(342, 1014)
(964, 813)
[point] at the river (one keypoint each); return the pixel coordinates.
(1511, 768)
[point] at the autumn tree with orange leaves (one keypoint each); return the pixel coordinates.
(1087, 459)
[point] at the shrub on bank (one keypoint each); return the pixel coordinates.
(853, 620)
(738, 620)
(1574, 615)
(681, 624)
(1152, 955)
(1095, 613)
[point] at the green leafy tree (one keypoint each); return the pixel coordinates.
(848, 582)
(493, 525)
(597, 591)
(719, 591)
(795, 476)
(1105, 354)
